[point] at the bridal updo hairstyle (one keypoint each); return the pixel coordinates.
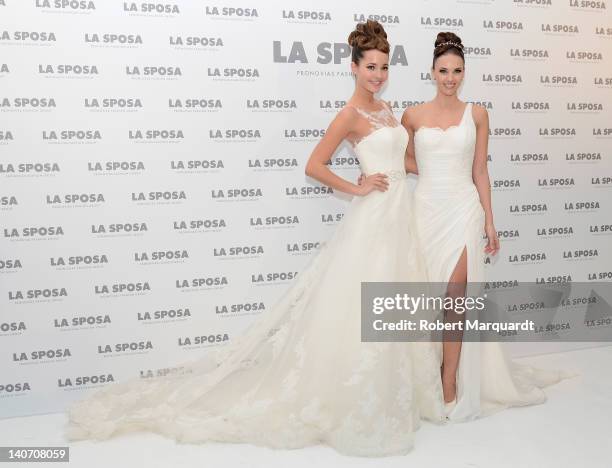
(447, 43)
(368, 36)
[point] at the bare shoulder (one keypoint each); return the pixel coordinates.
(480, 113)
(347, 112)
(415, 110)
(346, 117)
(412, 113)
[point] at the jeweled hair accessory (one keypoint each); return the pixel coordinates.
(456, 44)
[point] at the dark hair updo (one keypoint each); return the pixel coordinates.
(368, 36)
(447, 43)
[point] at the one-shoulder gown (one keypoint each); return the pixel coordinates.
(449, 217)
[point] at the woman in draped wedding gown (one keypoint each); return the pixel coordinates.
(452, 211)
(300, 374)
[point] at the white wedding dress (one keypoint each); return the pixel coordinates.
(300, 374)
(449, 217)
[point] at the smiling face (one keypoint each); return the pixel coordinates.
(448, 72)
(372, 71)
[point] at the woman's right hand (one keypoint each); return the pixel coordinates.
(372, 182)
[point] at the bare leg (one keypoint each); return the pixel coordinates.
(453, 339)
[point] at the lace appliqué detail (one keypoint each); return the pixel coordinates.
(379, 119)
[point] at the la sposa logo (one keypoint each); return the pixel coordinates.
(589, 5)
(31, 38)
(199, 226)
(329, 55)
(325, 53)
(306, 16)
(204, 43)
(201, 104)
(231, 13)
(126, 40)
(28, 104)
(113, 104)
(30, 169)
(98, 168)
(233, 73)
(69, 7)
(532, 4)
(436, 22)
(165, 315)
(149, 9)
(68, 71)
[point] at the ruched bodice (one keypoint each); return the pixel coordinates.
(445, 156)
(447, 206)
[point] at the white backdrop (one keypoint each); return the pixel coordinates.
(152, 190)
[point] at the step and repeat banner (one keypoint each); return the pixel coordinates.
(153, 201)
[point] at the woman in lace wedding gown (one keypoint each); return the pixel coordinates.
(300, 374)
(452, 212)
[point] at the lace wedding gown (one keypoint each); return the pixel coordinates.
(449, 218)
(300, 374)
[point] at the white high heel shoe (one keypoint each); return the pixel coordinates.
(449, 407)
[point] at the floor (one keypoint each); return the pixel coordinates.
(572, 429)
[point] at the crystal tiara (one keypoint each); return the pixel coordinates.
(456, 44)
